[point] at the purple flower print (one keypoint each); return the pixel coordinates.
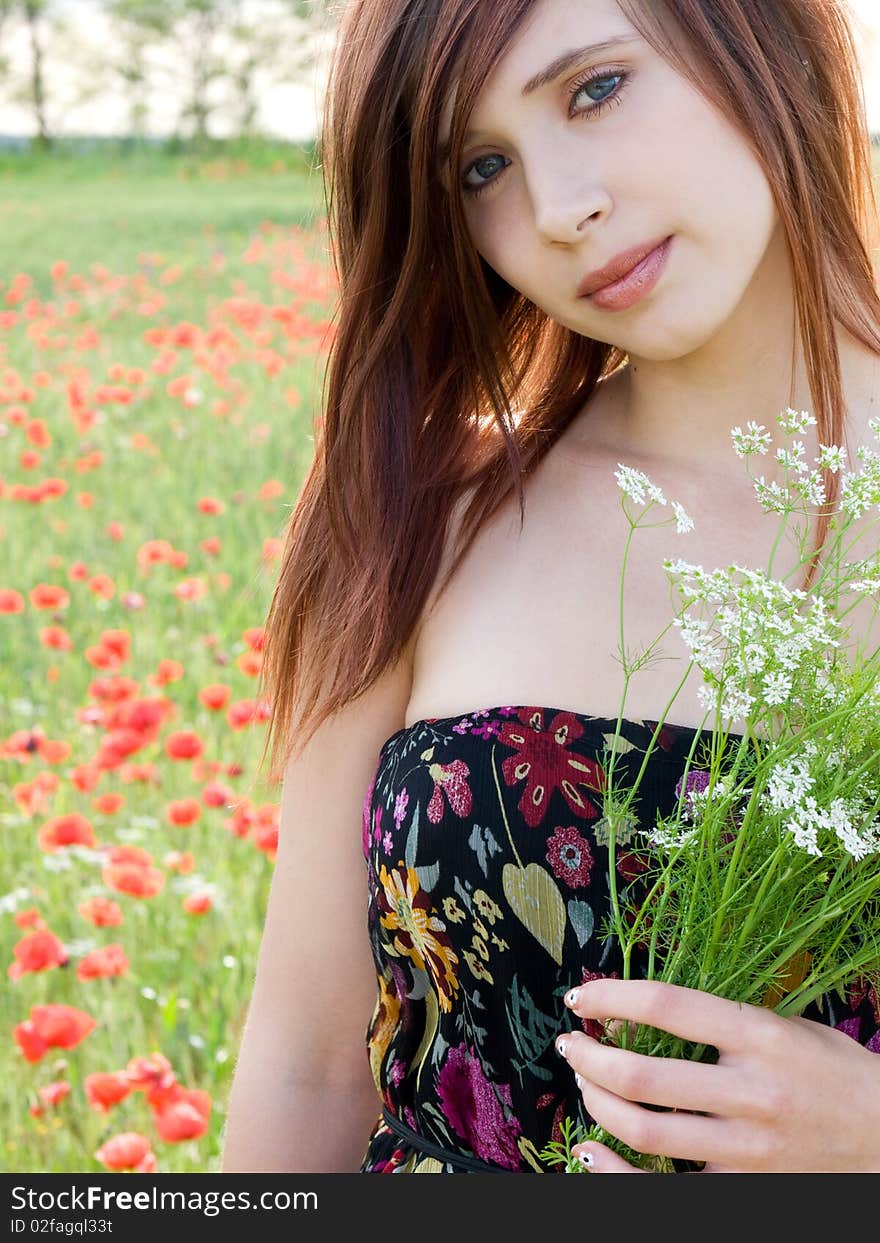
(472, 1108)
(368, 798)
(400, 805)
(697, 780)
(388, 843)
(850, 1027)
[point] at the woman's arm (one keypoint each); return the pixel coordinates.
(303, 1098)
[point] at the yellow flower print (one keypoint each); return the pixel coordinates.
(383, 1027)
(477, 967)
(487, 908)
(499, 941)
(480, 929)
(453, 911)
(419, 932)
(481, 947)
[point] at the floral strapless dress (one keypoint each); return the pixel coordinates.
(487, 861)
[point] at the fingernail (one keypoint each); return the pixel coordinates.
(578, 1079)
(586, 1159)
(571, 996)
(560, 1046)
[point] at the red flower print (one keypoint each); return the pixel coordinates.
(569, 856)
(592, 1026)
(451, 779)
(542, 759)
(631, 865)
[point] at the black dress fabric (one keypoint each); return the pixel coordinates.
(487, 862)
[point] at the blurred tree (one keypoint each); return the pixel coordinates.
(283, 46)
(39, 22)
(5, 10)
(33, 12)
(140, 25)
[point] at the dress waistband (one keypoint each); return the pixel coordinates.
(472, 1164)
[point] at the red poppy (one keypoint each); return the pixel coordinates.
(215, 794)
(176, 861)
(38, 951)
(30, 918)
(49, 596)
(186, 1117)
(104, 1089)
(183, 811)
(52, 1026)
(215, 696)
(55, 637)
(105, 961)
(100, 911)
(54, 750)
(109, 802)
(52, 1093)
(198, 903)
(70, 829)
(129, 853)
(153, 1076)
(185, 745)
(133, 879)
(11, 601)
(127, 1151)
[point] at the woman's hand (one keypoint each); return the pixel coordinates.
(786, 1094)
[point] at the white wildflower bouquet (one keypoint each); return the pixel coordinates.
(763, 885)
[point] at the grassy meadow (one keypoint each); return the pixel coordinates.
(163, 328)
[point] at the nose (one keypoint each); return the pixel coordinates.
(565, 202)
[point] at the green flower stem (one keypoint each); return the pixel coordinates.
(793, 941)
(756, 907)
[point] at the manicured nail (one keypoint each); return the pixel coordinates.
(578, 1079)
(586, 1159)
(560, 1046)
(571, 997)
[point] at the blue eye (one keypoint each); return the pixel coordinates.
(613, 97)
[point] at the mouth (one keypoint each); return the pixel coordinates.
(628, 278)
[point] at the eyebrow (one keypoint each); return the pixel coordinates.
(551, 72)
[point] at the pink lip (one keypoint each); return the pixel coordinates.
(628, 278)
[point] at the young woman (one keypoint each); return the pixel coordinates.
(448, 599)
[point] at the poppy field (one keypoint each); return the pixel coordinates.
(163, 329)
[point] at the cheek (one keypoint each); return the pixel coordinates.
(720, 184)
(498, 231)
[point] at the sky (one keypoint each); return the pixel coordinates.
(290, 111)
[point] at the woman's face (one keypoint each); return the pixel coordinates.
(574, 174)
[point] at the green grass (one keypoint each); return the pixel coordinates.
(101, 208)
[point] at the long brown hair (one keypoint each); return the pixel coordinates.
(442, 376)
